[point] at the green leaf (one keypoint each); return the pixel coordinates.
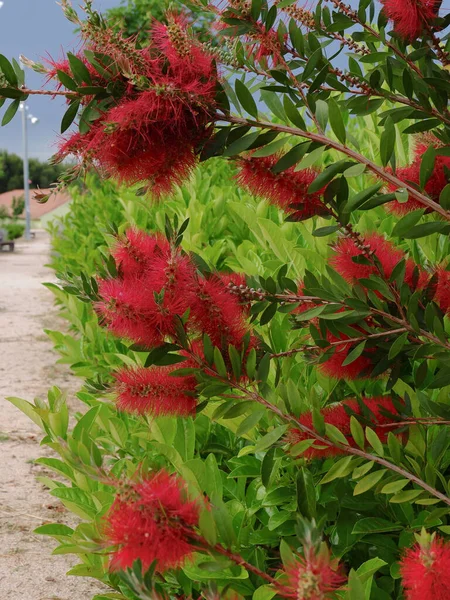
(270, 438)
(368, 482)
(236, 361)
(369, 568)
(8, 71)
(79, 70)
(10, 112)
(293, 114)
(338, 469)
(397, 346)
(306, 493)
(374, 441)
(357, 432)
(354, 354)
(267, 466)
(67, 81)
(69, 116)
(387, 141)
(249, 422)
(394, 486)
(245, 98)
(291, 158)
(220, 363)
(324, 231)
(336, 120)
(407, 222)
(358, 199)
(241, 144)
(427, 166)
(426, 229)
(375, 525)
(28, 409)
(328, 174)
(54, 529)
(355, 588)
(406, 496)
(335, 435)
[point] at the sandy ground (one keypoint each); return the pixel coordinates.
(27, 370)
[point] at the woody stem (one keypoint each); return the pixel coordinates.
(236, 558)
(325, 141)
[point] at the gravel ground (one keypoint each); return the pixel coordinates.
(27, 370)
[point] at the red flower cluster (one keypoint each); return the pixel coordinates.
(411, 17)
(337, 415)
(442, 296)
(157, 285)
(313, 577)
(411, 174)
(334, 367)
(387, 254)
(287, 190)
(153, 131)
(424, 571)
(155, 391)
(151, 521)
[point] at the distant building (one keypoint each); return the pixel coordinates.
(41, 214)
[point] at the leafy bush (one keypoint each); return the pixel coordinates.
(13, 230)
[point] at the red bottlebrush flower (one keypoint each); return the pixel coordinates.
(442, 296)
(154, 391)
(153, 135)
(313, 577)
(217, 312)
(386, 253)
(424, 571)
(268, 44)
(410, 17)
(333, 366)
(336, 415)
(151, 521)
(130, 309)
(287, 190)
(411, 174)
(136, 250)
(183, 52)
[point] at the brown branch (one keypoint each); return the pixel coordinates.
(322, 139)
(25, 90)
(322, 440)
(306, 348)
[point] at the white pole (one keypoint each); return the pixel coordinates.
(26, 175)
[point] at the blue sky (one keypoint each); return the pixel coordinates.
(32, 28)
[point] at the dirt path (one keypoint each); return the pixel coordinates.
(27, 370)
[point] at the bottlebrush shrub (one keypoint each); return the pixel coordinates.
(226, 394)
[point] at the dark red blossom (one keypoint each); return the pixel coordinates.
(155, 391)
(151, 521)
(411, 174)
(312, 577)
(145, 309)
(154, 130)
(384, 251)
(287, 190)
(442, 296)
(267, 45)
(334, 367)
(424, 570)
(136, 250)
(217, 312)
(411, 17)
(337, 415)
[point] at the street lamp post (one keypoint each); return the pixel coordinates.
(26, 174)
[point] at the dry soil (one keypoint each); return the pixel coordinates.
(27, 370)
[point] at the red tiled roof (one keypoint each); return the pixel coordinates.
(37, 210)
